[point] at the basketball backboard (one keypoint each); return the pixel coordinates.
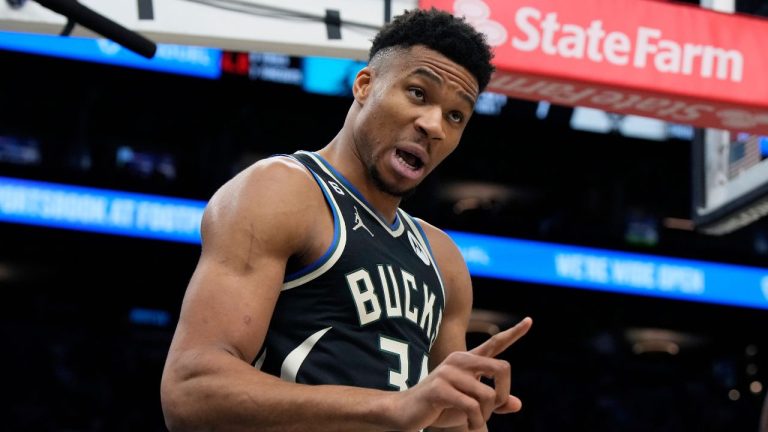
(730, 180)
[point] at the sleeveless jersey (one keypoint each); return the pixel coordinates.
(367, 312)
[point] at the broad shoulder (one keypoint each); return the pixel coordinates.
(276, 179)
(264, 200)
(441, 243)
(271, 185)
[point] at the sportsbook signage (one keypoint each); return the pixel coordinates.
(176, 219)
(675, 62)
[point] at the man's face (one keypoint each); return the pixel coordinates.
(415, 104)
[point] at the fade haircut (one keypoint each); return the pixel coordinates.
(442, 32)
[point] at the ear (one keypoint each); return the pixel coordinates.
(361, 87)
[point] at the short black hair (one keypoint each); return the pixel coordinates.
(442, 32)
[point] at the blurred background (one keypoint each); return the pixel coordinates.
(89, 311)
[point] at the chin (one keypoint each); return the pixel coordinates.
(391, 188)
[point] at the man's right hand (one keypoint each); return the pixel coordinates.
(452, 394)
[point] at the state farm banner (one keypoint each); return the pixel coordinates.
(675, 62)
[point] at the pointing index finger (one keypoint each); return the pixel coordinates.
(499, 342)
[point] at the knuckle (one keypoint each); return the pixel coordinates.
(488, 394)
(493, 341)
(443, 371)
(452, 357)
(498, 366)
(449, 372)
(471, 405)
(460, 355)
(459, 358)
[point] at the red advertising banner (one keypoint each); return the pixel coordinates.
(675, 62)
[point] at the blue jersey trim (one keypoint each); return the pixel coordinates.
(393, 226)
(320, 261)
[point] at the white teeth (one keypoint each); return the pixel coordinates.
(400, 158)
(405, 161)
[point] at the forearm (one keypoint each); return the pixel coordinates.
(221, 392)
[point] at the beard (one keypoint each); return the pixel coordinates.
(387, 188)
(364, 149)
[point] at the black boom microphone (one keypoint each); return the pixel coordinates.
(102, 25)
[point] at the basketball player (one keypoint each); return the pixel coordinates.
(316, 298)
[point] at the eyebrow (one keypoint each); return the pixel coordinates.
(437, 79)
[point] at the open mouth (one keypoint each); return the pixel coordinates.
(409, 159)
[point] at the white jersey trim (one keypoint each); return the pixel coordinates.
(260, 361)
(295, 358)
(425, 246)
(339, 246)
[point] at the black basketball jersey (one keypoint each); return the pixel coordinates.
(367, 312)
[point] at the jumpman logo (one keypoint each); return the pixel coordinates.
(359, 223)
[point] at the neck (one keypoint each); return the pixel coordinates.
(341, 154)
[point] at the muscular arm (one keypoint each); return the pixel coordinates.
(458, 293)
(250, 229)
(458, 308)
(458, 302)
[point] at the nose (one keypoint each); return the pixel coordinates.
(430, 122)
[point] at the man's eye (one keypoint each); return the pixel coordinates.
(416, 92)
(456, 116)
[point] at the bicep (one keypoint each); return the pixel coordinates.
(229, 309)
(246, 244)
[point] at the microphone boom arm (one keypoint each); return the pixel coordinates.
(102, 25)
